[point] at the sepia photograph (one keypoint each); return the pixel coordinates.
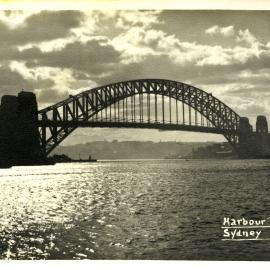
(134, 133)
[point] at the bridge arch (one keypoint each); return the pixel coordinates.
(56, 122)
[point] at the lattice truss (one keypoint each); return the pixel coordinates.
(148, 103)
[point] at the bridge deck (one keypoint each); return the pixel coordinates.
(145, 125)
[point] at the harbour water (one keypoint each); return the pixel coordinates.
(138, 209)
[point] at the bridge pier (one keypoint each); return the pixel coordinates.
(19, 135)
(254, 144)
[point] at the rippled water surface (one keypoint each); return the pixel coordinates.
(155, 209)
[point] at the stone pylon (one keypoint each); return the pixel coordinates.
(19, 135)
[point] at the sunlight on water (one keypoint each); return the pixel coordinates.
(131, 210)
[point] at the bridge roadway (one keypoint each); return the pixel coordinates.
(130, 124)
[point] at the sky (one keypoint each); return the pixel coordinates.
(54, 53)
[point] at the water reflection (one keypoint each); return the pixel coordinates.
(131, 210)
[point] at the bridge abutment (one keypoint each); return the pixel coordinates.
(19, 135)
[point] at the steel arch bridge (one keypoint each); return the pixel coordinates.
(145, 103)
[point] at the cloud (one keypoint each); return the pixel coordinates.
(227, 31)
(93, 57)
(51, 84)
(136, 44)
(125, 19)
(247, 37)
(45, 25)
(256, 46)
(50, 95)
(260, 76)
(12, 81)
(145, 19)
(15, 18)
(251, 108)
(246, 98)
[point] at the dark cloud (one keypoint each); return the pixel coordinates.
(151, 67)
(162, 67)
(12, 53)
(8, 53)
(11, 82)
(92, 57)
(43, 26)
